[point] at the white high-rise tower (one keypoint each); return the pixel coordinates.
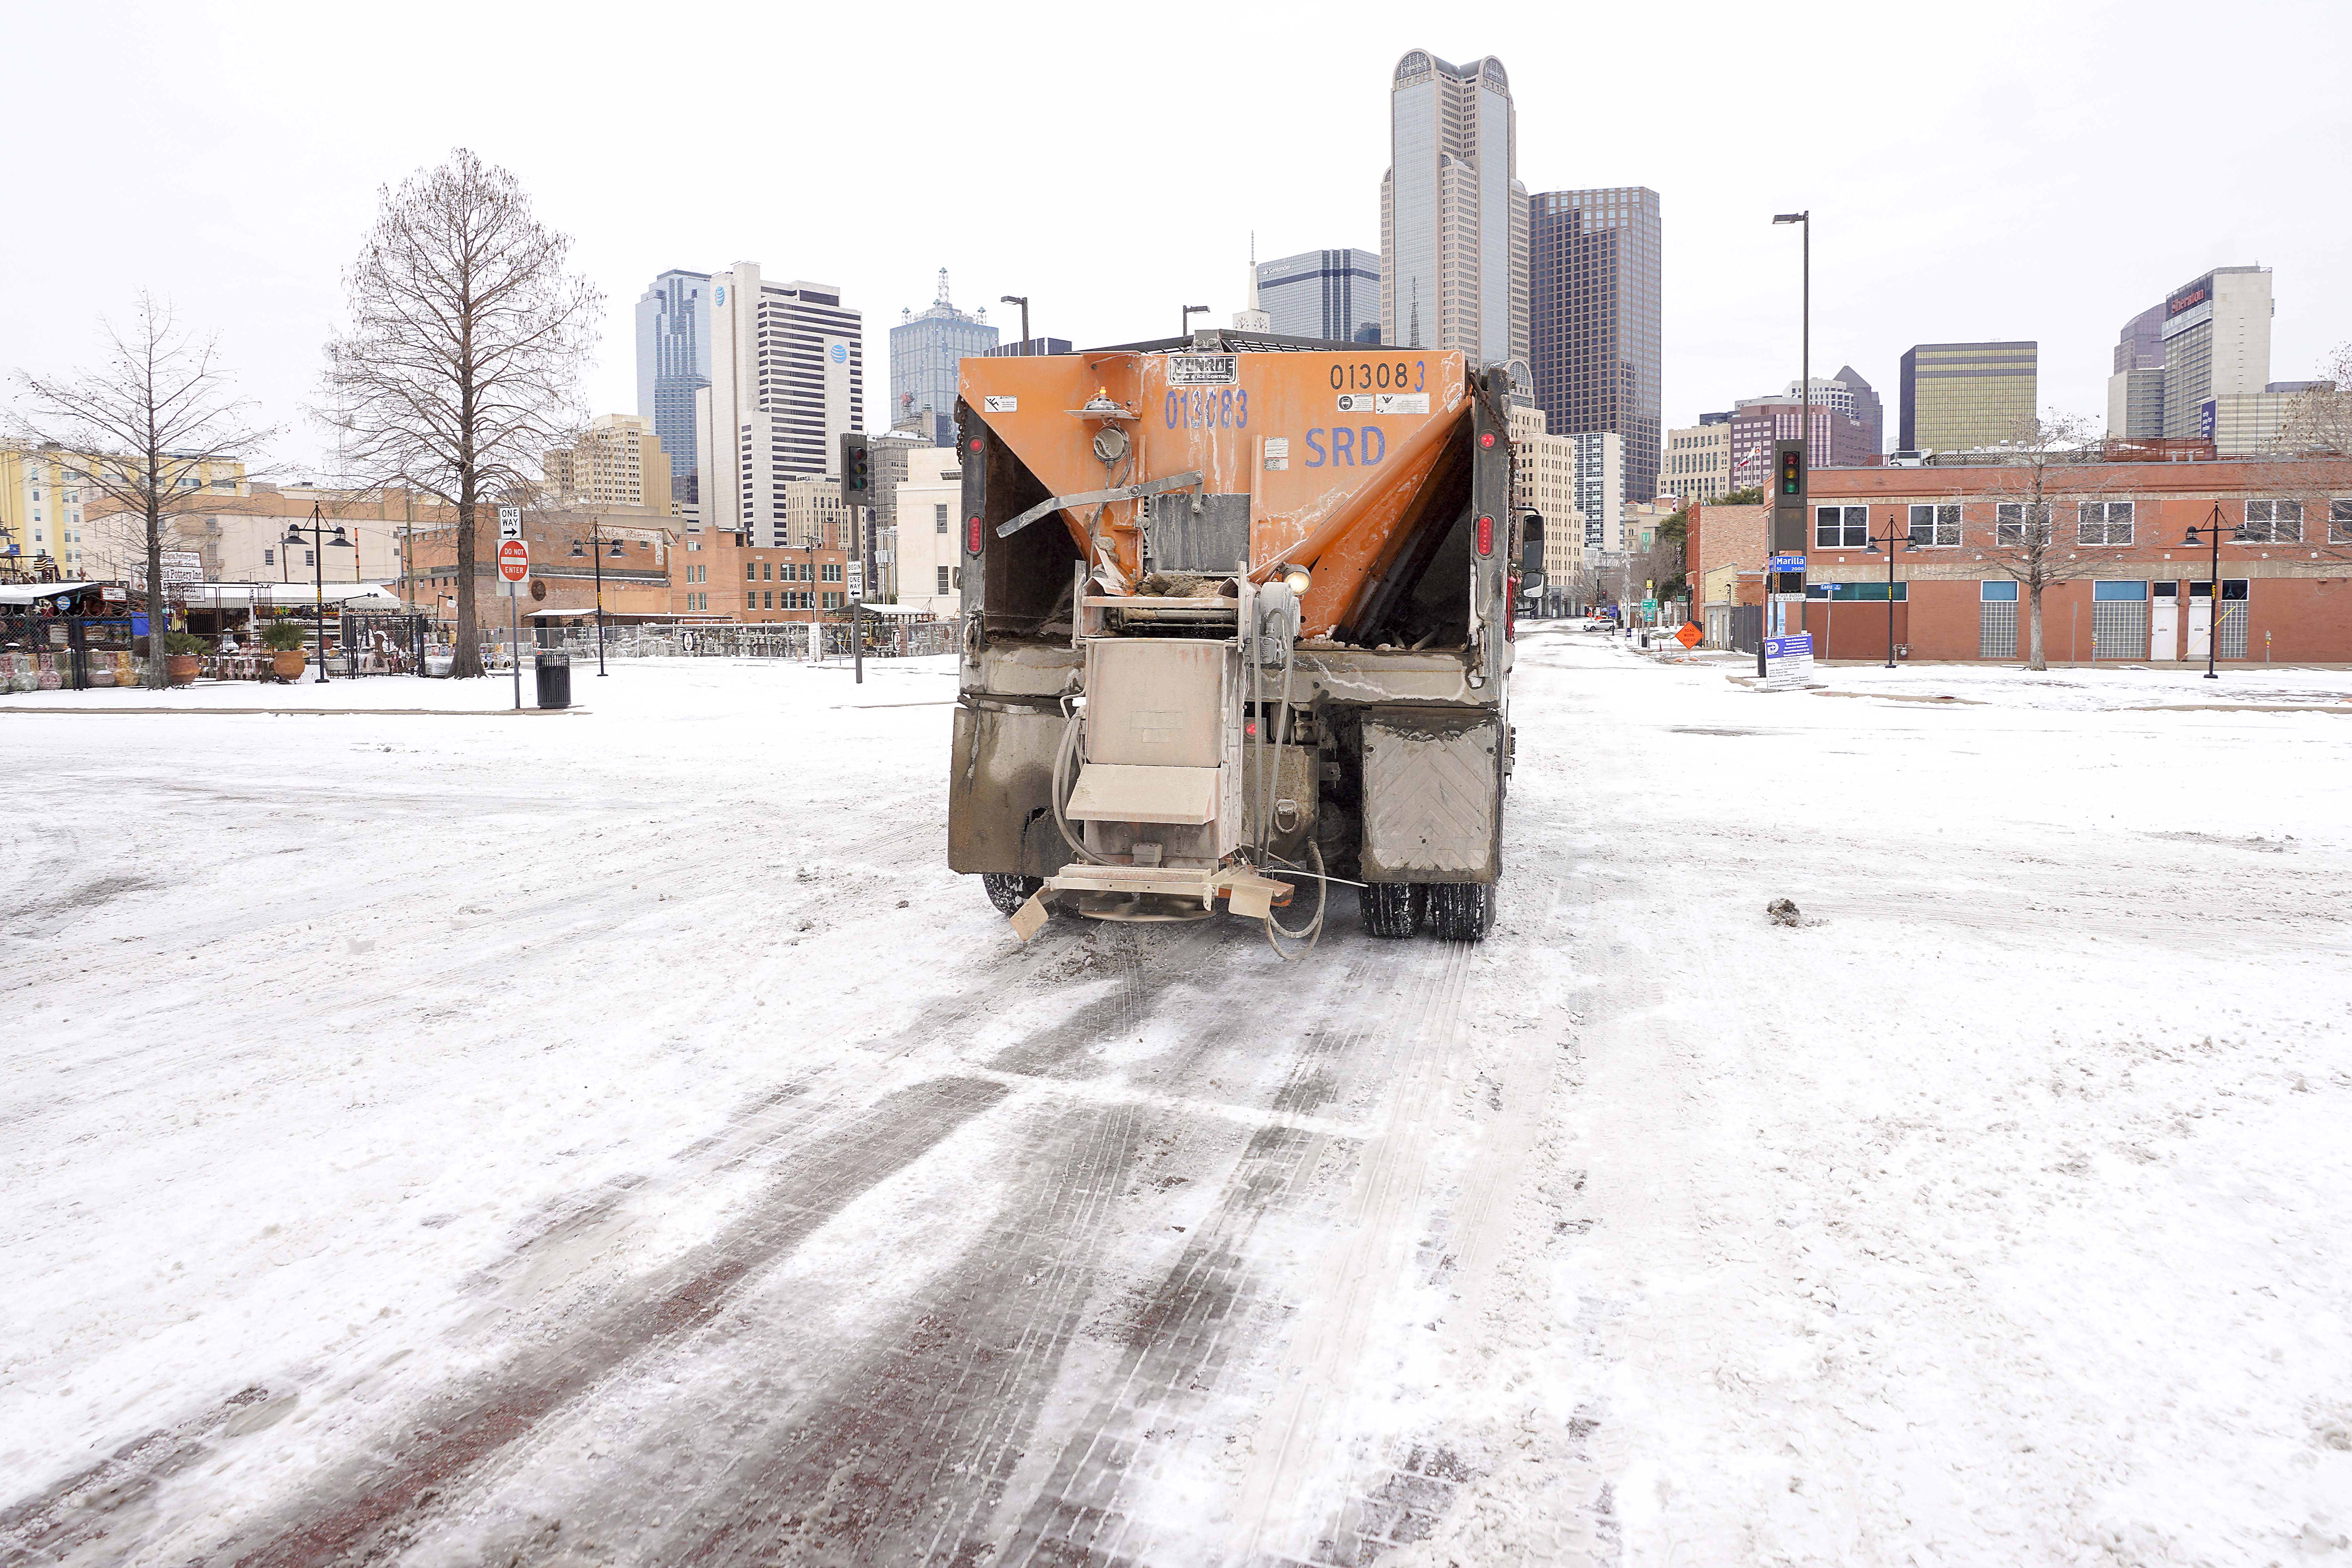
(1454, 217)
(787, 381)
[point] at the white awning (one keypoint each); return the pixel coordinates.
(27, 593)
(283, 595)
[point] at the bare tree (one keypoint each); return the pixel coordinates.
(139, 432)
(2047, 506)
(463, 352)
(2311, 477)
(2321, 419)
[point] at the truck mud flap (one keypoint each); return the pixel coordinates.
(1000, 791)
(1433, 795)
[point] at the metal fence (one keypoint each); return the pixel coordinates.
(69, 653)
(885, 639)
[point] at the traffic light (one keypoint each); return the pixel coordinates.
(856, 469)
(1787, 497)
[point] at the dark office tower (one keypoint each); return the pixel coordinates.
(673, 363)
(1333, 294)
(1594, 334)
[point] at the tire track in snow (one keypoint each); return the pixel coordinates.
(1197, 1349)
(370, 1509)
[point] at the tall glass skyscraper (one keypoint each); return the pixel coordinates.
(924, 351)
(1332, 294)
(1454, 217)
(1594, 334)
(673, 364)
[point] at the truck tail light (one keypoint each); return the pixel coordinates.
(1486, 535)
(971, 535)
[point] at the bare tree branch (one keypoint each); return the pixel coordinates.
(462, 360)
(2050, 515)
(140, 430)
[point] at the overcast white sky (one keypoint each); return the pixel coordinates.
(2004, 170)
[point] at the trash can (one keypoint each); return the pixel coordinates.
(554, 680)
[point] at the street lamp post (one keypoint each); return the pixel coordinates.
(318, 544)
(1891, 539)
(1022, 300)
(1185, 330)
(1805, 319)
(2211, 527)
(596, 552)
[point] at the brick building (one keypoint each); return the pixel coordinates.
(721, 578)
(2144, 596)
(563, 573)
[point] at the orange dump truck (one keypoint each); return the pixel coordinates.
(1237, 623)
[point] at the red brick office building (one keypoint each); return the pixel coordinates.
(2144, 596)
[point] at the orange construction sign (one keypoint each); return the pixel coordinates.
(1690, 636)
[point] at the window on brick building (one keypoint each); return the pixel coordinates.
(1935, 524)
(2339, 521)
(2275, 521)
(1840, 527)
(751, 571)
(2021, 522)
(832, 574)
(833, 601)
(2103, 522)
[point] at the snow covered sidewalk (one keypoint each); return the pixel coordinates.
(616, 1138)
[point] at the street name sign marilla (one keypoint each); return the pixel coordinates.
(514, 566)
(509, 522)
(1786, 563)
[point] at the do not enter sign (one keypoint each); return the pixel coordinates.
(514, 560)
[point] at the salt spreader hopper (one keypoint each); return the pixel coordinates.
(1237, 624)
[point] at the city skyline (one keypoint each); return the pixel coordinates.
(1897, 256)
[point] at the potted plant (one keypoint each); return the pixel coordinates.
(183, 656)
(284, 640)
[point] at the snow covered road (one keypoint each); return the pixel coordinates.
(614, 1138)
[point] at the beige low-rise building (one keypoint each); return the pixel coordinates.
(618, 462)
(1697, 462)
(930, 545)
(1543, 480)
(240, 536)
(47, 504)
(814, 515)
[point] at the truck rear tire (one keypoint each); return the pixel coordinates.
(1461, 911)
(1009, 890)
(1391, 909)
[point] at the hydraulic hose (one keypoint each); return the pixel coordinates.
(1063, 785)
(1312, 931)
